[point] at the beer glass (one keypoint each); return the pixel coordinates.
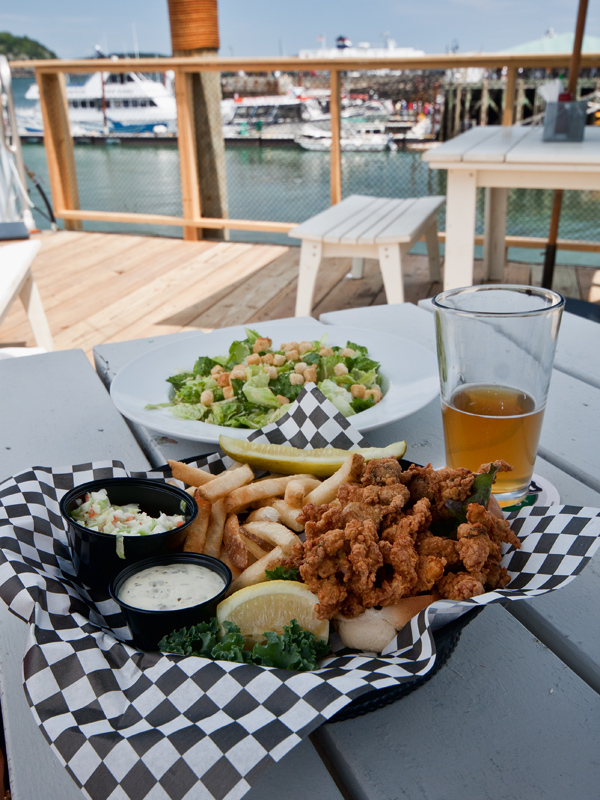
(495, 346)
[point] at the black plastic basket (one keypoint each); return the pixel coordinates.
(446, 639)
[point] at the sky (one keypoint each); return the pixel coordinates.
(259, 28)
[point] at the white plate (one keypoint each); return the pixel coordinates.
(409, 376)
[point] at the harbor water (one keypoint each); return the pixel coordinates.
(288, 184)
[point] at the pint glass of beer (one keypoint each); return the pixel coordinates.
(496, 347)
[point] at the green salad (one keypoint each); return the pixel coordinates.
(255, 383)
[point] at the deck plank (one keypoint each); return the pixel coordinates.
(107, 287)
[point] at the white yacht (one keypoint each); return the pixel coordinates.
(114, 103)
(355, 137)
(277, 116)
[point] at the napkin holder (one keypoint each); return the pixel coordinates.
(564, 121)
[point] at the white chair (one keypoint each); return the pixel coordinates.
(16, 280)
(367, 227)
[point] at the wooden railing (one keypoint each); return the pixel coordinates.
(50, 76)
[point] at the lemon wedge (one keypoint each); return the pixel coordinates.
(269, 606)
(288, 460)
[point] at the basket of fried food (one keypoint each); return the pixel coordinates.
(363, 550)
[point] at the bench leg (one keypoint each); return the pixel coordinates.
(32, 301)
(433, 252)
(310, 259)
(357, 270)
(390, 264)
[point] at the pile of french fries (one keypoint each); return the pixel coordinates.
(252, 524)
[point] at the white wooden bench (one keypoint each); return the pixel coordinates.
(367, 227)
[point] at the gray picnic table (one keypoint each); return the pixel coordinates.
(515, 712)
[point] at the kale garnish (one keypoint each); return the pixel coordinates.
(295, 648)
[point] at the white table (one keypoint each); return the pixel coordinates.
(500, 158)
(502, 720)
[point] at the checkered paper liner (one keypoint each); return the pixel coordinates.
(137, 725)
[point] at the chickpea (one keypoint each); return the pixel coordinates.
(292, 355)
(326, 351)
(282, 399)
(207, 398)
(357, 390)
(340, 369)
(296, 379)
(253, 359)
(262, 344)
(228, 392)
(300, 367)
(278, 360)
(310, 375)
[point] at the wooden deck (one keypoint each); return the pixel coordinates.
(99, 288)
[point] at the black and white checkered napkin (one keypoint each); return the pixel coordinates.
(133, 725)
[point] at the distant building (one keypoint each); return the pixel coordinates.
(345, 49)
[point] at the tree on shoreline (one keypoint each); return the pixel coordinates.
(21, 48)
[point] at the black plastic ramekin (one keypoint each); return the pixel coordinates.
(148, 627)
(94, 554)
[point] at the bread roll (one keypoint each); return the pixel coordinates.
(375, 628)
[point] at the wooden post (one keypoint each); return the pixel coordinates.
(186, 142)
(335, 176)
(509, 96)
(457, 110)
(483, 111)
(520, 101)
(59, 145)
(195, 32)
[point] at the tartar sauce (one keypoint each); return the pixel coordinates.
(171, 586)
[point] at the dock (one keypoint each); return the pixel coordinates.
(106, 287)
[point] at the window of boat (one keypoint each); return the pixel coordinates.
(291, 113)
(84, 103)
(125, 103)
(117, 104)
(134, 103)
(262, 112)
(74, 103)
(244, 112)
(151, 103)
(107, 104)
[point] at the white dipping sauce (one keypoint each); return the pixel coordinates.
(171, 586)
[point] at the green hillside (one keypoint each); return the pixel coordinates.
(21, 48)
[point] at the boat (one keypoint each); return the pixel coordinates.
(111, 103)
(357, 137)
(277, 117)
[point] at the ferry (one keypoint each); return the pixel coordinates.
(111, 103)
(277, 116)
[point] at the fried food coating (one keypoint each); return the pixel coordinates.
(377, 542)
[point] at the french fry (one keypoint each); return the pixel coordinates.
(326, 492)
(196, 533)
(193, 476)
(253, 543)
(294, 494)
(274, 533)
(256, 572)
(234, 545)
(259, 490)
(216, 525)
(226, 483)
(268, 513)
(235, 572)
(287, 515)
